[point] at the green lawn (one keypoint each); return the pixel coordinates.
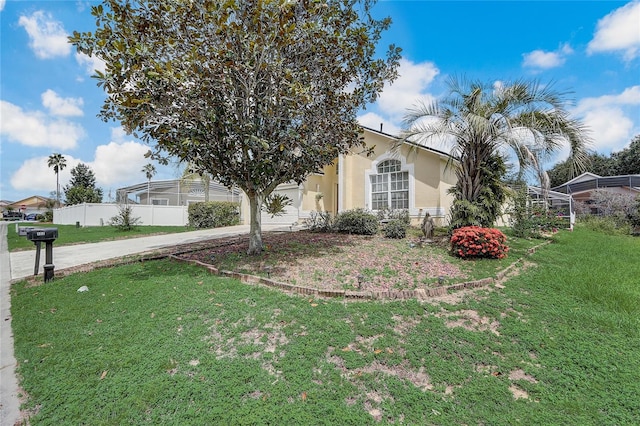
(69, 234)
(164, 343)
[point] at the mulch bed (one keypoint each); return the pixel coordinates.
(330, 261)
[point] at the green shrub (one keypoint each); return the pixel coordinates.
(610, 225)
(395, 228)
(401, 215)
(531, 221)
(124, 220)
(357, 221)
(474, 241)
(214, 214)
(319, 222)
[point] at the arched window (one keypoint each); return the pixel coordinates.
(390, 186)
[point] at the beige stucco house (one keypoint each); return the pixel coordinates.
(413, 178)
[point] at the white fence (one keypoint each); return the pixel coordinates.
(100, 214)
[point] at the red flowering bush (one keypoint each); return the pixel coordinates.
(474, 241)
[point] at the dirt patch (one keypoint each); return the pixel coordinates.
(250, 344)
(419, 378)
(521, 375)
(404, 325)
(470, 320)
(518, 393)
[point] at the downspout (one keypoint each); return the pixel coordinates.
(340, 183)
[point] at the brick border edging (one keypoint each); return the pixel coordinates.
(420, 294)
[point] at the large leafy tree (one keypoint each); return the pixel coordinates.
(628, 160)
(625, 162)
(255, 93)
(58, 163)
(82, 186)
(480, 120)
(598, 164)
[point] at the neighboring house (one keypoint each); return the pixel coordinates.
(413, 178)
(34, 204)
(582, 186)
(4, 204)
(176, 192)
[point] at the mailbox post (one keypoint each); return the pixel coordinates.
(47, 236)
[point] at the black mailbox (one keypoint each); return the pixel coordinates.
(47, 236)
(42, 234)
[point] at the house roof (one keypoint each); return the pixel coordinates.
(33, 201)
(408, 142)
(167, 183)
(586, 176)
(538, 192)
(590, 181)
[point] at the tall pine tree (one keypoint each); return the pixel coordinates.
(82, 186)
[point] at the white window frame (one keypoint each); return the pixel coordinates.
(166, 200)
(404, 167)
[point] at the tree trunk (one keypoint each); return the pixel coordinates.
(255, 231)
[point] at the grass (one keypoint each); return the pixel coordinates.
(164, 343)
(69, 234)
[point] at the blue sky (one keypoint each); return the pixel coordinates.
(49, 102)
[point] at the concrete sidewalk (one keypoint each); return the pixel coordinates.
(22, 262)
(19, 265)
(9, 403)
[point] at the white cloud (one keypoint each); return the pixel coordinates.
(610, 118)
(629, 96)
(34, 175)
(62, 106)
(618, 31)
(373, 121)
(114, 164)
(90, 63)
(2, 3)
(409, 89)
(48, 38)
(540, 59)
(34, 128)
(118, 134)
(118, 163)
(611, 128)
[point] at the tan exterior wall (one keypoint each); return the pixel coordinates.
(319, 192)
(345, 185)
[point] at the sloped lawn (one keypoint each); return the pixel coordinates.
(163, 342)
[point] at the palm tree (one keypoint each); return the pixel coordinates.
(149, 170)
(58, 162)
(481, 121)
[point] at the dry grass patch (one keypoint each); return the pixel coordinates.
(470, 320)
